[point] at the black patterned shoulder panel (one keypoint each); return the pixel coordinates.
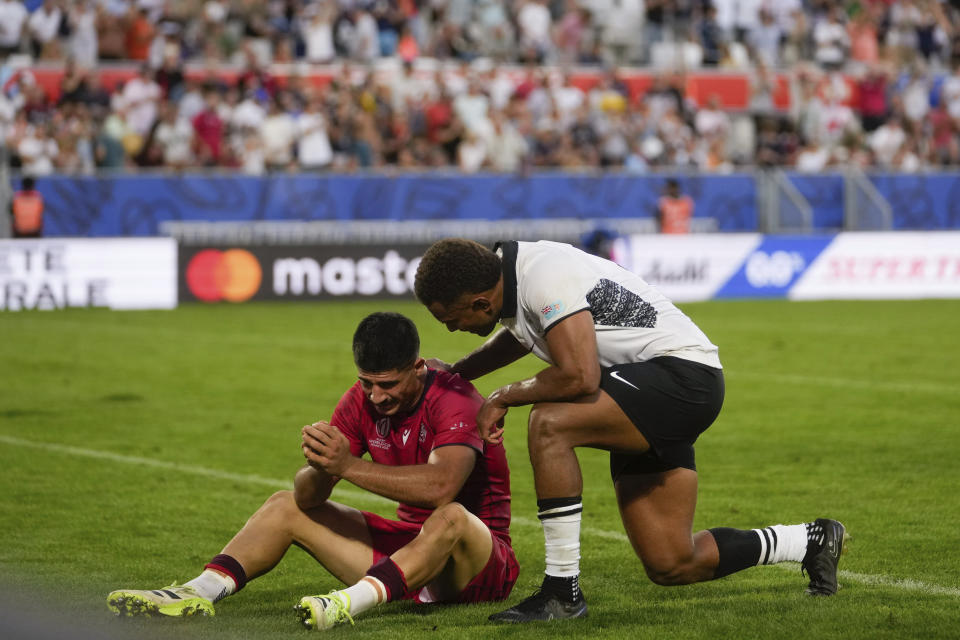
(614, 306)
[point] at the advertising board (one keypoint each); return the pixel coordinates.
(686, 268)
(298, 272)
(117, 273)
(901, 265)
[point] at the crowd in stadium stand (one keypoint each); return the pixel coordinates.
(482, 85)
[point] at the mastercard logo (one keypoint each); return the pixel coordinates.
(233, 275)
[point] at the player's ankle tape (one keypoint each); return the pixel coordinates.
(229, 565)
(387, 572)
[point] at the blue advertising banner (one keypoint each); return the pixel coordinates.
(137, 205)
(771, 269)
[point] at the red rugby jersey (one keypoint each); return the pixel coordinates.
(446, 415)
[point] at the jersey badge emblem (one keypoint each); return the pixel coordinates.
(552, 310)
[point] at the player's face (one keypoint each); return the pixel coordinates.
(469, 313)
(394, 391)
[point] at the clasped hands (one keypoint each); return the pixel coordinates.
(325, 447)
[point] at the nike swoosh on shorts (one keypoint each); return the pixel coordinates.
(616, 376)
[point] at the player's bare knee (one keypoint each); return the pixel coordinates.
(669, 574)
(448, 522)
(545, 425)
(278, 507)
(280, 501)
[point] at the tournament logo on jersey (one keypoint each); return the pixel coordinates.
(423, 432)
(383, 427)
(552, 310)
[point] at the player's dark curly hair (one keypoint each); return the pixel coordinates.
(385, 341)
(453, 267)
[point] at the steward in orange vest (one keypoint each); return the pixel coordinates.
(674, 210)
(27, 210)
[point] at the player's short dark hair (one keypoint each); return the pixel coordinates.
(453, 267)
(385, 341)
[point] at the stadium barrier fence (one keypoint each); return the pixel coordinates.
(417, 207)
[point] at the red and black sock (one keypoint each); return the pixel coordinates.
(392, 578)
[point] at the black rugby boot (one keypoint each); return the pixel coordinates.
(822, 559)
(545, 604)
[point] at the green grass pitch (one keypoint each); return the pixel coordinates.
(133, 445)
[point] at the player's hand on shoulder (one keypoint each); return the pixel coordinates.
(490, 419)
(435, 363)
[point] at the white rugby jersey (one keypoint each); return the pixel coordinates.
(544, 282)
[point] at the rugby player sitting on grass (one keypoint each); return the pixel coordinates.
(451, 542)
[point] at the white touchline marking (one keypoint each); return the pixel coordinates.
(182, 468)
(847, 383)
(906, 584)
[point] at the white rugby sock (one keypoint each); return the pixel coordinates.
(212, 585)
(561, 535)
(782, 543)
(366, 594)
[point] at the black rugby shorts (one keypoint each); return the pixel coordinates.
(671, 401)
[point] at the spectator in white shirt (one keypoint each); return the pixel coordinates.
(313, 148)
(366, 42)
(473, 109)
(887, 140)
(916, 96)
(712, 121)
(277, 134)
(83, 33)
(813, 158)
(316, 29)
(746, 17)
(140, 98)
(950, 94)
(175, 135)
(44, 28)
(506, 148)
(37, 151)
(249, 114)
(192, 102)
(535, 23)
(764, 38)
(13, 16)
(471, 153)
(831, 41)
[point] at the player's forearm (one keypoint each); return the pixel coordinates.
(312, 487)
(497, 352)
(550, 385)
(420, 485)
